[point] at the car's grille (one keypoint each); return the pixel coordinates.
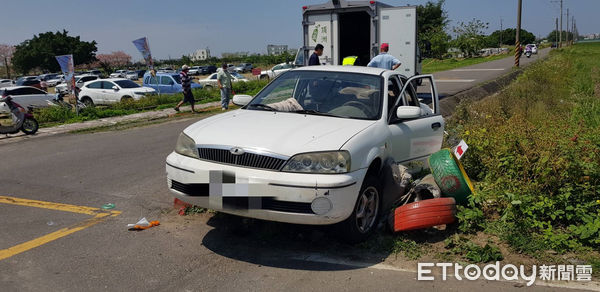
(197, 190)
(284, 206)
(246, 159)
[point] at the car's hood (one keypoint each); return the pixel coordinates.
(276, 132)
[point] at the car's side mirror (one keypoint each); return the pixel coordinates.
(241, 99)
(115, 88)
(408, 112)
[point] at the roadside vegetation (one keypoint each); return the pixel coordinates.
(60, 115)
(431, 65)
(534, 158)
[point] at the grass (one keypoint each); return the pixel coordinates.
(534, 157)
(436, 65)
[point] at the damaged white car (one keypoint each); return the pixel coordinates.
(309, 148)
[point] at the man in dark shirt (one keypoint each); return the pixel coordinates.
(314, 58)
(186, 83)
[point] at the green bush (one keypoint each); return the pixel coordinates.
(534, 151)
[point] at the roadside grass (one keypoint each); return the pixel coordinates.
(534, 157)
(435, 65)
(52, 116)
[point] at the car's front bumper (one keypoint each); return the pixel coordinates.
(264, 194)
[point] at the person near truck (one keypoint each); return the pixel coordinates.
(314, 58)
(186, 84)
(224, 83)
(384, 60)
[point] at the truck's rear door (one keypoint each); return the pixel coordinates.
(322, 29)
(398, 28)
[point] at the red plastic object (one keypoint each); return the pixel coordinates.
(424, 214)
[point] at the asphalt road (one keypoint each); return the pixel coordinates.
(191, 253)
(453, 81)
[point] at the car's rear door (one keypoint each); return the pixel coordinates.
(94, 91)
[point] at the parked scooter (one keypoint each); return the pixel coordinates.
(528, 54)
(22, 119)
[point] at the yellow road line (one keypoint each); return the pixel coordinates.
(17, 249)
(49, 205)
(99, 216)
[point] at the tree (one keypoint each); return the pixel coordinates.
(553, 36)
(432, 20)
(112, 60)
(469, 37)
(6, 52)
(508, 37)
(40, 51)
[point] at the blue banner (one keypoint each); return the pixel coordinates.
(142, 45)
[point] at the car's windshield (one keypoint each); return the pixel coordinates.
(127, 84)
(339, 94)
(237, 75)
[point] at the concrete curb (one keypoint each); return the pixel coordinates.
(449, 104)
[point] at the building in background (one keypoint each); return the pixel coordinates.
(276, 49)
(200, 55)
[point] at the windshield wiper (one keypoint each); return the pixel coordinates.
(313, 112)
(262, 106)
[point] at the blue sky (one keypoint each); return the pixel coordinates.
(180, 27)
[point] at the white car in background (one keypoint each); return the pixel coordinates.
(55, 80)
(118, 74)
(211, 81)
(131, 75)
(28, 96)
(112, 90)
(79, 81)
(309, 148)
(534, 48)
(6, 83)
(276, 70)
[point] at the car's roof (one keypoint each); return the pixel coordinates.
(351, 69)
(17, 87)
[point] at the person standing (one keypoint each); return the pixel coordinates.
(314, 58)
(186, 84)
(224, 82)
(384, 60)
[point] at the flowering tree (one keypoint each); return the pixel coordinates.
(6, 52)
(114, 59)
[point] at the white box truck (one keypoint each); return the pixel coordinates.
(358, 28)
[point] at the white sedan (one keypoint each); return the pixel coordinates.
(211, 81)
(6, 83)
(28, 96)
(276, 70)
(113, 90)
(310, 148)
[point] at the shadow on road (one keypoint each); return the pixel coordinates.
(281, 245)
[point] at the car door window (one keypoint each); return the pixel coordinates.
(214, 76)
(31, 91)
(165, 80)
(394, 89)
(95, 85)
(410, 97)
(107, 85)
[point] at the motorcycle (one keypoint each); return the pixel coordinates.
(14, 118)
(528, 54)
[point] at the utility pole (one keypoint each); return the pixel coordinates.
(7, 69)
(501, 32)
(560, 35)
(573, 38)
(567, 27)
(556, 33)
(517, 37)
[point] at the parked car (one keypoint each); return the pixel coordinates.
(79, 81)
(32, 81)
(165, 70)
(195, 70)
(118, 74)
(6, 83)
(131, 75)
(276, 70)
(166, 82)
(243, 68)
(47, 76)
(55, 80)
(112, 90)
(211, 81)
(140, 73)
(94, 72)
(209, 69)
(310, 148)
(28, 96)
(534, 48)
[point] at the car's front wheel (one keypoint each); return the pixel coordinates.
(363, 220)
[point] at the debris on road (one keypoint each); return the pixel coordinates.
(143, 224)
(450, 176)
(108, 206)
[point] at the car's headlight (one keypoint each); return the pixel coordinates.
(186, 146)
(319, 162)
